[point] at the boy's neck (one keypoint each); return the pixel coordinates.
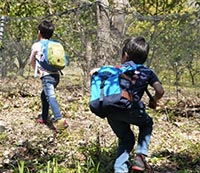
(39, 37)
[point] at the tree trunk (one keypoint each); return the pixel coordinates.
(103, 32)
(118, 26)
(111, 25)
(86, 67)
(2, 58)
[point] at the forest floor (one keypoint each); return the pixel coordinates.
(174, 148)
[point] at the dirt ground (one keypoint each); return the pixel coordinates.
(175, 143)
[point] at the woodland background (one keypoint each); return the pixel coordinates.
(92, 33)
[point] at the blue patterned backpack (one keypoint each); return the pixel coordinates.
(111, 89)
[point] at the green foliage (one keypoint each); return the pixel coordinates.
(89, 167)
(173, 32)
(169, 26)
(155, 7)
(50, 167)
(3, 138)
(91, 164)
(21, 167)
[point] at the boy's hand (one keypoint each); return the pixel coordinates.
(159, 91)
(152, 104)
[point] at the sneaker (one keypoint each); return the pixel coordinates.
(140, 164)
(60, 124)
(41, 121)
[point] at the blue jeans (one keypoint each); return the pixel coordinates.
(120, 123)
(48, 96)
(120, 165)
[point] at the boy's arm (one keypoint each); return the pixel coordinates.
(33, 59)
(33, 55)
(159, 92)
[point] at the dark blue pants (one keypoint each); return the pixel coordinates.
(120, 123)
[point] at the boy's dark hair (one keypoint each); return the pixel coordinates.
(46, 29)
(137, 49)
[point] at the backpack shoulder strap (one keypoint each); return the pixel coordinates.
(44, 44)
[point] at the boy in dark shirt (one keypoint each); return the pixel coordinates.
(135, 51)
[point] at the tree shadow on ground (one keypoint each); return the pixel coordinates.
(33, 156)
(101, 156)
(181, 162)
(100, 159)
(165, 161)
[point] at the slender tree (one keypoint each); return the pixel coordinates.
(111, 26)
